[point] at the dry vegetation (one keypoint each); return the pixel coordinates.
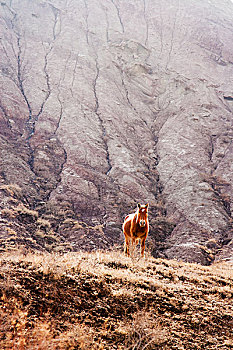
(48, 227)
(107, 301)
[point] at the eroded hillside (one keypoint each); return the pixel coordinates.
(107, 301)
(108, 103)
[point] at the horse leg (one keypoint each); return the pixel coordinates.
(133, 243)
(143, 240)
(126, 246)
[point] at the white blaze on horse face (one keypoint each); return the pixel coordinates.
(142, 223)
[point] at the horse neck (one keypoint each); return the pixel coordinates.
(136, 217)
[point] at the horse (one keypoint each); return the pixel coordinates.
(135, 228)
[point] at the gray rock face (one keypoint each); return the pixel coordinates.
(108, 103)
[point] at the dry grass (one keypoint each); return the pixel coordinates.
(20, 211)
(12, 190)
(108, 301)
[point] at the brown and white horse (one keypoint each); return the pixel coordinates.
(135, 228)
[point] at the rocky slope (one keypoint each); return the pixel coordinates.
(108, 103)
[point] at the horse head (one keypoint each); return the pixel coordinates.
(142, 214)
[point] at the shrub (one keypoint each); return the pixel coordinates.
(44, 224)
(26, 214)
(12, 190)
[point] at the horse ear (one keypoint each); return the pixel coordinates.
(139, 205)
(147, 205)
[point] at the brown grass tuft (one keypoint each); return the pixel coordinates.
(101, 300)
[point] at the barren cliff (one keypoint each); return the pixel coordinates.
(112, 102)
